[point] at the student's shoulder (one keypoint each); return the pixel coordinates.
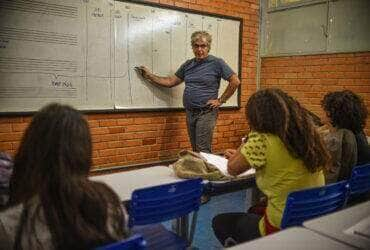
(267, 140)
(11, 215)
(345, 135)
(103, 190)
(257, 139)
(254, 135)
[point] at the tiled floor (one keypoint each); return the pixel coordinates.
(204, 239)
(232, 202)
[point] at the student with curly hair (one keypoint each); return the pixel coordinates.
(6, 169)
(287, 153)
(53, 204)
(346, 139)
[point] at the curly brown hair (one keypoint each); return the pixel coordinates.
(273, 111)
(346, 110)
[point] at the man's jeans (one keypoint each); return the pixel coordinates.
(200, 124)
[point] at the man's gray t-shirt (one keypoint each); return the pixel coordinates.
(202, 80)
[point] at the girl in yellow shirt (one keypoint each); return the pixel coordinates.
(287, 153)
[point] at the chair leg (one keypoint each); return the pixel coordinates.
(192, 228)
(184, 227)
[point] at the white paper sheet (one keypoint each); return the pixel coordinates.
(221, 163)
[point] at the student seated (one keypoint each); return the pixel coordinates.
(53, 204)
(344, 133)
(287, 153)
(6, 169)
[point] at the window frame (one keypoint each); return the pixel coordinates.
(299, 3)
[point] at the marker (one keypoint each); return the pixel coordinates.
(139, 70)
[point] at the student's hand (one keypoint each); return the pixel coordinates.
(214, 103)
(229, 153)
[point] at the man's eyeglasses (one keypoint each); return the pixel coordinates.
(202, 46)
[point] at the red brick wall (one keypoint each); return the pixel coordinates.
(308, 78)
(130, 138)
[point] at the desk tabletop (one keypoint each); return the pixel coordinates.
(336, 224)
(293, 238)
(124, 183)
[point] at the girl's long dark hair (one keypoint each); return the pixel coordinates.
(273, 111)
(52, 163)
(345, 110)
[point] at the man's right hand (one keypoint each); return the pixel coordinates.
(145, 72)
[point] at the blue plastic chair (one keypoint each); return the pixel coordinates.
(136, 242)
(150, 206)
(359, 183)
(310, 203)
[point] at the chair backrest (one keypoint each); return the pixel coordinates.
(164, 202)
(310, 203)
(135, 242)
(359, 183)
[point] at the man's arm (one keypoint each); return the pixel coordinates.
(234, 83)
(167, 81)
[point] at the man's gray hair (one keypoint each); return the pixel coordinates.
(200, 34)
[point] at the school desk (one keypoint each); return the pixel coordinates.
(124, 183)
(342, 224)
(291, 239)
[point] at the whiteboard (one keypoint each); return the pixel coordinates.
(83, 53)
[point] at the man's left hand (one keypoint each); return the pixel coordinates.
(214, 103)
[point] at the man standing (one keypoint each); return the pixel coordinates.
(202, 76)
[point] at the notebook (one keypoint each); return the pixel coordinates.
(221, 163)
